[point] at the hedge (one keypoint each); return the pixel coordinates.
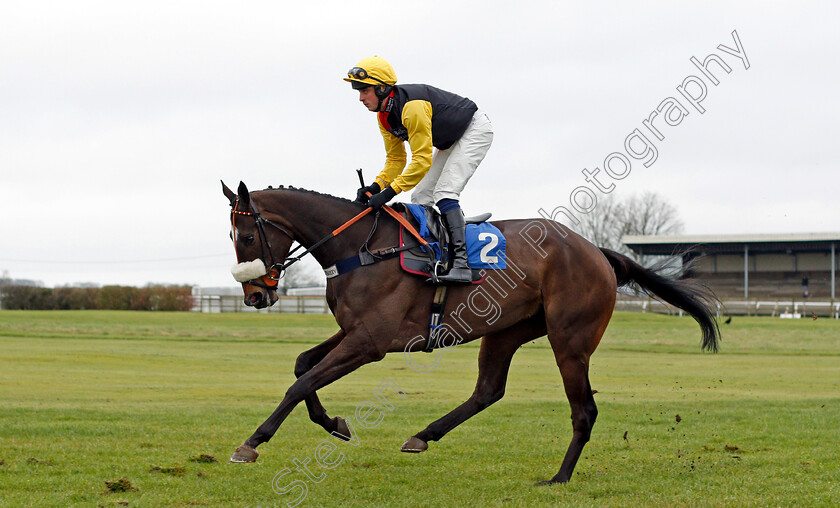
(105, 298)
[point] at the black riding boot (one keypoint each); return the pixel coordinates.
(460, 271)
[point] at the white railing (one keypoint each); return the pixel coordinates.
(318, 305)
(286, 304)
(739, 307)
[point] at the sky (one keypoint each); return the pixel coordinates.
(119, 119)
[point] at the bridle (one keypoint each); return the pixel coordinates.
(274, 271)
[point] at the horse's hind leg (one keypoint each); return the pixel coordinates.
(572, 355)
(575, 371)
(494, 359)
(317, 413)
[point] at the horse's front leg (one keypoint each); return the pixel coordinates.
(350, 354)
(317, 413)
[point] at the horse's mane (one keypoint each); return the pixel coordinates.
(307, 191)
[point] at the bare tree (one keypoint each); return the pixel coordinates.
(301, 275)
(649, 214)
(601, 226)
(646, 214)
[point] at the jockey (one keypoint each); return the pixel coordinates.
(426, 117)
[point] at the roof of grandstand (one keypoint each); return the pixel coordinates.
(784, 243)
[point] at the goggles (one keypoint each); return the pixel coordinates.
(357, 73)
(360, 74)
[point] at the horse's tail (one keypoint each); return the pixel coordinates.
(690, 296)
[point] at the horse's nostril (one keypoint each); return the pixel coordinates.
(253, 299)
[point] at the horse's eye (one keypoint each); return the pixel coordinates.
(248, 240)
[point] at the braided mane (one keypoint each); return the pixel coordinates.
(307, 191)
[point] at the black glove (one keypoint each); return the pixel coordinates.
(377, 200)
(361, 194)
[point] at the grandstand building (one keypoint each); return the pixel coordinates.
(793, 267)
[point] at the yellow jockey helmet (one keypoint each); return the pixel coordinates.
(370, 71)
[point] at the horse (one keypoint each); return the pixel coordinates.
(556, 283)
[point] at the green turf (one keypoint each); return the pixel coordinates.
(95, 397)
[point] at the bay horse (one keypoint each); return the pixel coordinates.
(556, 283)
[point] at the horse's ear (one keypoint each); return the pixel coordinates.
(229, 194)
(244, 196)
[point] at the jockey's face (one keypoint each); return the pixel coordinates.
(367, 96)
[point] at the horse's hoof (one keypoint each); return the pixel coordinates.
(414, 445)
(245, 453)
(548, 482)
(342, 430)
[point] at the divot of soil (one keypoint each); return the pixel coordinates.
(203, 459)
(120, 485)
(174, 471)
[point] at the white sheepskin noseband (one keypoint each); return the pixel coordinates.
(250, 270)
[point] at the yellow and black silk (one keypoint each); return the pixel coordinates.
(426, 117)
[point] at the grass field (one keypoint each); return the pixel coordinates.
(93, 397)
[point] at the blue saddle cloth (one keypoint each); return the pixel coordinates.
(485, 243)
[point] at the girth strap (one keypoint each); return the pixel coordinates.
(435, 323)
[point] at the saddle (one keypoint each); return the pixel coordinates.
(419, 260)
